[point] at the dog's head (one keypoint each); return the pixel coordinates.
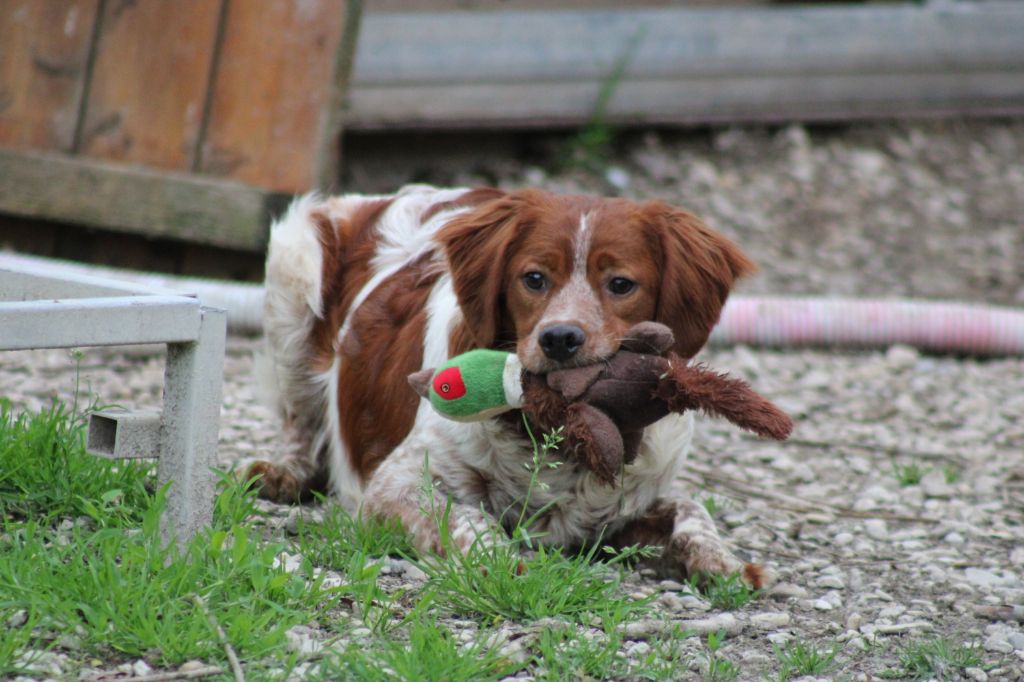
(562, 277)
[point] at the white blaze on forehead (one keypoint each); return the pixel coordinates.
(584, 239)
(576, 301)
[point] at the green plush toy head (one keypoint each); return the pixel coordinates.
(473, 386)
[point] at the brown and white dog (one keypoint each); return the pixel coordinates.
(362, 291)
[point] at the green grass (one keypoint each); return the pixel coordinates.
(130, 595)
(565, 653)
(908, 474)
(429, 652)
(717, 668)
(799, 658)
(46, 475)
(726, 592)
(84, 572)
(922, 659)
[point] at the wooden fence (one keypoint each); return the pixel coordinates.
(193, 119)
(182, 118)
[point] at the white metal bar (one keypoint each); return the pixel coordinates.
(124, 434)
(98, 322)
(40, 280)
(191, 415)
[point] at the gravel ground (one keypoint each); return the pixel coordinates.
(864, 557)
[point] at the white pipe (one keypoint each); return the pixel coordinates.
(942, 327)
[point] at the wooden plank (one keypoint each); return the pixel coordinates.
(538, 67)
(149, 81)
(487, 5)
(272, 85)
(147, 202)
(43, 61)
(665, 101)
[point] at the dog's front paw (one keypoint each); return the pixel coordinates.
(275, 483)
(700, 557)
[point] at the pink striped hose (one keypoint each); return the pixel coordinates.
(755, 320)
(871, 323)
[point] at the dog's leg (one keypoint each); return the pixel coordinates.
(691, 545)
(401, 489)
(291, 477)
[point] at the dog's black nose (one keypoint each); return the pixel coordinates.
(561, 341)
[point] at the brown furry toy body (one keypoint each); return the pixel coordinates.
(604, 407)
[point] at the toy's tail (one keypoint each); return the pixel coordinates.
(718, 395)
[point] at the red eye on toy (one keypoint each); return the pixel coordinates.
(448, 384)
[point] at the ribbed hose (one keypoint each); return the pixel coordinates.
(783, 322)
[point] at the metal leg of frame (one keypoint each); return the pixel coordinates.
(191, 417)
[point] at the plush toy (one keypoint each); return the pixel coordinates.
(604, 407)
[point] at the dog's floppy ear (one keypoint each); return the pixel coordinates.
(476, 244)
(698, 269)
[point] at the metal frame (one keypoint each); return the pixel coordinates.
(41, 308)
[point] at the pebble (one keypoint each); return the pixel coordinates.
(673, 586)
(877, 529)
(722, 621)
(998, 644)
(638, 649)
(414, 573)
(780, 638)
(302, 639)
(770, 620)
(976, 674)
(985, 578)
(1016, 639)
(787, 591)
(842, 539)
(832, 582)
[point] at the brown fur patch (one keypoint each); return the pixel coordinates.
(376, 406)
(348, 246)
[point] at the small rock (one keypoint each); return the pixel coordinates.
(823, 605)
(780, 638)
(140, 668)
(672, 585)
(301, 639)
(18, 618)
(842, 539)
(1016, 640)
(900, 357)
(976, 674)
(617, 177)
(191, 666)
(786, 591)
(642, 629)
(770, 620)
(984, 578)
(933, 484)
(722, 621)
(415, 574)
(638, 649)
(876, 529)
(854, 621)
(998, 644)
(832, 582)
(671, 601)
(953, 538)
(689, 602)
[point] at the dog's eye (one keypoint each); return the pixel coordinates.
(535, 281)
(620, 286)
